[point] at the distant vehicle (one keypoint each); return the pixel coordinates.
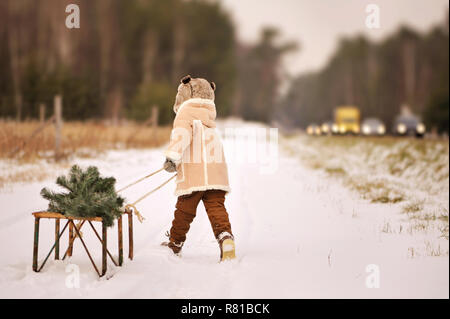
(373, 126)
(409, 125)
(347, 119)
(329, 128)
(313, 129)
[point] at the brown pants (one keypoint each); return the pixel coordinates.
(214, 201)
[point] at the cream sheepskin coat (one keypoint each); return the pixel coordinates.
(196, 149)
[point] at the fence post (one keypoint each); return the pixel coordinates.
(155, 113)
(58, 124)
(41, 113)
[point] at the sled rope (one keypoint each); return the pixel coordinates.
(132, 206)
(140, 180)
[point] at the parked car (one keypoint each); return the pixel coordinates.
(329, 128)
(409, 125)
(313, 129)
(373, 127)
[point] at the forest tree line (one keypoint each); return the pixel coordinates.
(407, 68)
(128, 56)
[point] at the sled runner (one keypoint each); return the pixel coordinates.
(75, 231)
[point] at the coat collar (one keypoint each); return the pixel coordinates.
(195, 101)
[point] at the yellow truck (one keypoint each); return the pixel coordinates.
(347, 119)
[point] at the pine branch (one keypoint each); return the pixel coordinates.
(89, 195)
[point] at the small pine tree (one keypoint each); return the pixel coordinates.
(89, 195)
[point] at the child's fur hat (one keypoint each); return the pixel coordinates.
(190, 88)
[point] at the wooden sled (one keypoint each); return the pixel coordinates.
(74, 231)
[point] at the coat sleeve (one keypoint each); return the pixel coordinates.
(180, 137)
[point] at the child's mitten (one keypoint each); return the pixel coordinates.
(170, 166)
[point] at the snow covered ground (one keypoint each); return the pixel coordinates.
(300, 233)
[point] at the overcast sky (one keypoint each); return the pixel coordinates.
(317, 24)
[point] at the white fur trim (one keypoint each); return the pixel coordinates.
(180, 245)
(224, 234)
(190, 190)
(195, 100)
(174, 156)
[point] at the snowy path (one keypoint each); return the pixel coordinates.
(298, 235)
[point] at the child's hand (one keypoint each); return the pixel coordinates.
(170, 166)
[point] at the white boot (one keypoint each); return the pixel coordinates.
(227, 246)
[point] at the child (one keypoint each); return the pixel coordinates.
(195, 153)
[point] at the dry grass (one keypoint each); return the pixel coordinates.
(79, 138)
(414, 206)
(412, 175)
(35, 160)
(382, 170)
(30, 174)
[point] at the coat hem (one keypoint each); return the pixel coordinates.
(202, 188)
